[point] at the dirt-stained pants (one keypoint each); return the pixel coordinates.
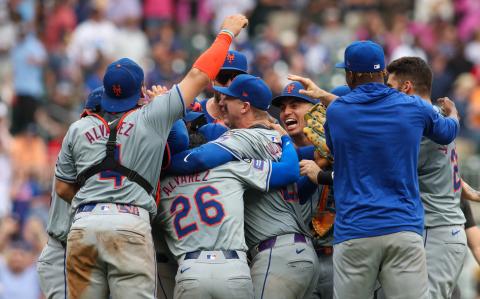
(110, 250)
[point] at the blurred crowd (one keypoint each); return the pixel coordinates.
(54, 52)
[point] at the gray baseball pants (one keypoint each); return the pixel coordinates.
(397, 260)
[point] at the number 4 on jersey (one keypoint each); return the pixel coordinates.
(113, 175)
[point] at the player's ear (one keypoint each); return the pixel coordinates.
(245, 108)
(407, 87)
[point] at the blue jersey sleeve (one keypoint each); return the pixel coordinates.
(178, 138)
(440, 129)
(287, 170)
(306, 152)
(199, 159)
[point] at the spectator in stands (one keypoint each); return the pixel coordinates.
(28, 58)
(18, 276)
(93, 38)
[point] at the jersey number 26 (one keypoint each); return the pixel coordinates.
(181, 207)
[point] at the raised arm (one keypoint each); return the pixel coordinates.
(207, 66)
(442, 130)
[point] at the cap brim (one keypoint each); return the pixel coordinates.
(191, 116)
(226, 91)
(119, 105)
(277, 101)
(233, 69)
(341, 65)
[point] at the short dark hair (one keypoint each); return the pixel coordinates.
(413, 69)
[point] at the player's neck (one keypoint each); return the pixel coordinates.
(425, 97)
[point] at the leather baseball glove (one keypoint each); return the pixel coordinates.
(315, 119)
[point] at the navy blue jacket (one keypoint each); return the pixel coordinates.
(374, 133)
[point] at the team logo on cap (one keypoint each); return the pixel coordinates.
(230, 57)
(244, 94)
(117, 90)
(290, 88)
(376, 66)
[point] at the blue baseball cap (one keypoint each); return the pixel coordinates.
(212, 131)
(363, 56)
(192, 115)
(235, 61)
(123, 83)
(94, 98)
(291, 90)
(250, 89)
(340, 90)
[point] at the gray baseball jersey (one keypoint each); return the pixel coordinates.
(440, 184)
(205, 211)
(140, 145)
(267, 214)
(59, 217)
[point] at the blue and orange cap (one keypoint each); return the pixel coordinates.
(123, 83)
(235, 61)
(291, 90)
(250, 89)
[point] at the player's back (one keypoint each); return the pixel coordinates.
(267, 214)
(141, 138)
(205, 211)
(440, 184)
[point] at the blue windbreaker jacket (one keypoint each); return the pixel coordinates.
(374, 133)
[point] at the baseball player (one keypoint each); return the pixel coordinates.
(203, 218)
(235, 64)
(440, 187)
(108, 167)
(379, 215)
(284, 262)
(316, 200)
(51, 262)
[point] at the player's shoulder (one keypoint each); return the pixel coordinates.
(84, 122)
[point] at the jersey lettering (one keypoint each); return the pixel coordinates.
(185, 207)
(182, 180)
(100, 132)
(457, 182)
(213, 206)
(211, 211)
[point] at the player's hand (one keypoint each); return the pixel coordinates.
(312, 90)
(278, 128)
(235, 23)
(448, 107)
(310, 169)
(155, 91)
(322, 162)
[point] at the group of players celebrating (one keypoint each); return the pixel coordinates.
(158, 195)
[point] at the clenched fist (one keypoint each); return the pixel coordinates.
(235, 23)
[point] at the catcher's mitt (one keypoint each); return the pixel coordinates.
(315, 119)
